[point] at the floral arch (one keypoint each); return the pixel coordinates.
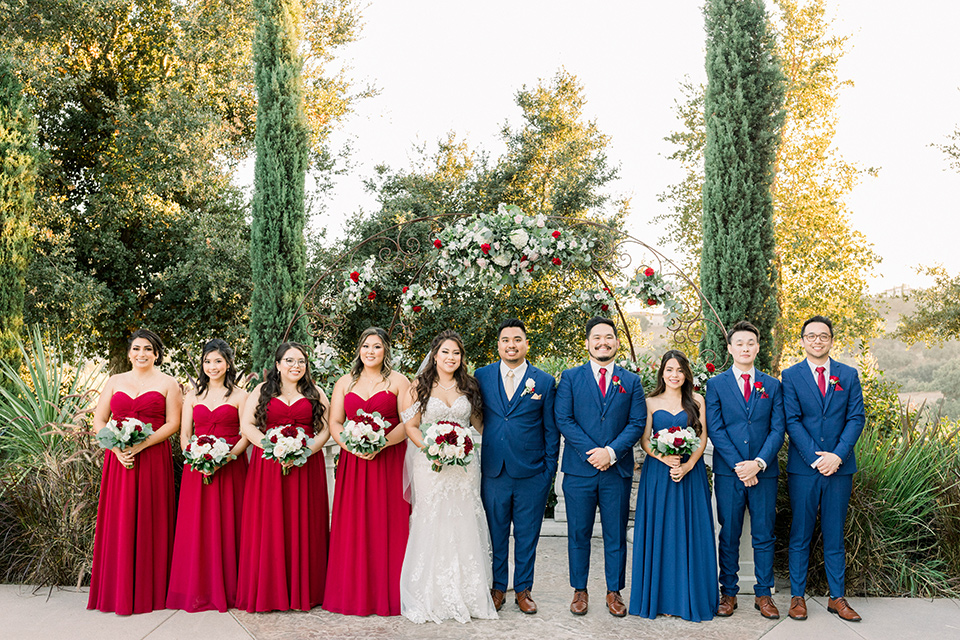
(404, 264)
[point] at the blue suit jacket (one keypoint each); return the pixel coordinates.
(587, 420)
(519, 435)
(816, 423)
(743, 430)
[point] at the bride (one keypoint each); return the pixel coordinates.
(446, 569)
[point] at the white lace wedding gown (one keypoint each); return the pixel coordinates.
(446, 569)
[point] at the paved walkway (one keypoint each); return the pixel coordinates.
(62, 614)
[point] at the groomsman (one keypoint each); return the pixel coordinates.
(518, 459)
(823, 403)
(601, 412)
(745, 414)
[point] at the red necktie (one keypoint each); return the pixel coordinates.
(746, 386)
(603, 382)
(822, 381)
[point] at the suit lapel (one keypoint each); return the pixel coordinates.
(755, 394)
(590, 381)
(834, 371)
(734, 383)
(501, 392)
(810, 383)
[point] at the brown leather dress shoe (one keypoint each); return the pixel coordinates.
(798, 608)
(842, 609)
(615, 604)
(579, 605)
(497, 597)
(525, 602)
(764, 604)
(727, 605)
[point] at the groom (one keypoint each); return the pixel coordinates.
(518, 459)
(601, 412)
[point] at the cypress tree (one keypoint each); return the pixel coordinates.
(277, 250)
(744, 115)
(18, 168)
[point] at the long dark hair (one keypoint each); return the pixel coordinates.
(386, 368)
(687, 400)
(272, 386)
(229, 379)
(466, 383)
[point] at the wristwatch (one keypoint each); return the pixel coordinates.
(763, 465)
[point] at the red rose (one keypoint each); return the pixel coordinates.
(207, 456)
(673, 429)
(355, 276)
(468, 446)
(441, 439)
(615, 379)
(523, 258)
(452, 438)
(605, 307)
(557, 261)
(758, 385)
(651, 301)
(417, 308)
(696, 388)
(273, 439)
(188, 447)
(437, 243)
(405, 289)
(677, 443)
(375, 427)
(710, 367)
(303, 442)
(289, 432)
(648, 272)
(556, 234)
(530, 270)
(485, 248)
(372, 295)
(139, 428)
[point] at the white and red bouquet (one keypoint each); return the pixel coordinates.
(367, 433)
(205, 454)
(447, 443)
(123, 434)
(287, 444)
(675, 441)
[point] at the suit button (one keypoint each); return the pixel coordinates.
(746, 441)
(602, 419)
(821, 439)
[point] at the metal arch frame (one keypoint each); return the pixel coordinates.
(407, 254)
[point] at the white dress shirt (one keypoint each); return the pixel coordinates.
(518, 374)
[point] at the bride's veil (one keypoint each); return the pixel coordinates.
(412, 450)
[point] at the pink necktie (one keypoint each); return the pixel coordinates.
(746, 386)
(603, 382)
(822, 381)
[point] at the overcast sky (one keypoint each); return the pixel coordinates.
(450, 66)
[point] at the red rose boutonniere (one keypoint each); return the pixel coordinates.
(835, 383)
(758, 387)
(615, 381)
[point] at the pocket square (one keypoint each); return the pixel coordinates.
(536, 396)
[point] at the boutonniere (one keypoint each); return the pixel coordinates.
(528, 388)
(615, 381)
(758, 386)
(835, 383)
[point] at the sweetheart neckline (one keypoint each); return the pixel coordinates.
(134, 398)
(371, 397)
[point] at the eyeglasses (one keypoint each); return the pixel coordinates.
(290, 362)
(815, 337)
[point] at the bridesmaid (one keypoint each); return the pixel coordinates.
(283, 545)
(674, 553)
(134, 535)
(370, 517)
(207, 545)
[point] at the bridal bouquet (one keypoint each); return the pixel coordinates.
(123, 433)
(367, 433)
(675, 441)
(447, 443)
(205, 454)
(288, 444)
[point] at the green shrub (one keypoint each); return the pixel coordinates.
(49, 469)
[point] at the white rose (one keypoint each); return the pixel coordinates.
(502, 260)
(482, 262)
(518, 219)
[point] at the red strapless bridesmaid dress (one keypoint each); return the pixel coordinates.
(283, 543)
(207, 546)
(134, 536)
(368, 535)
